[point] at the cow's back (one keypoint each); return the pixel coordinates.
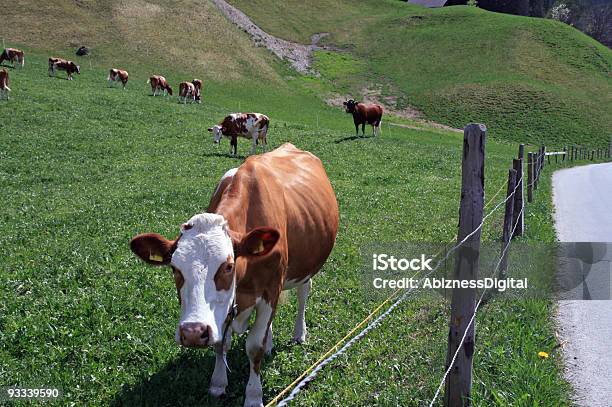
(289, 189)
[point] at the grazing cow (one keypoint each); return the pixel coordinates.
(198, 85)
(247, 125)
(187, 90)
(4, 83)
(14, 55)
(56, 64)
(264, 232)
(116, 75)
(159, 83)
(363, 113)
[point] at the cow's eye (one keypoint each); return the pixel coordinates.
(228, 267)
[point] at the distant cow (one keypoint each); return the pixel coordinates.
(187, 90)
(4, 82)
(198, 85)
(116, 75)
(159, 83)
(247, 125)
(14, 55)
(363, 113)
(61, 64)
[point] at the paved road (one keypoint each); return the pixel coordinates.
(583, 213)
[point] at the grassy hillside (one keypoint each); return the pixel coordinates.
(526, 78)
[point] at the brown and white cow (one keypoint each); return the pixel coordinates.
(4, 84)
(117, 75)
(198, 85)
(159, 83)
(187, 90)
(247, 125)
(14, 55)
(61, 64)
(370, 113)
(263, 233)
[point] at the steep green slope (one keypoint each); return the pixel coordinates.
(527, 79)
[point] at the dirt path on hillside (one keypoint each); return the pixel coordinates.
(299, 55)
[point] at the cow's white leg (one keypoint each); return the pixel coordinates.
(269, 344)
(299, 333)
(218, 381)
(255, 343)
(254, 144)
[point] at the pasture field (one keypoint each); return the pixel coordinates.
(84, 168)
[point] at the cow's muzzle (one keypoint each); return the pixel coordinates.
(194, 334)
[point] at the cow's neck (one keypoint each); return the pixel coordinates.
(241, 206)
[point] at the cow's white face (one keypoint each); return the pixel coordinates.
(217, 132)
(204, 260)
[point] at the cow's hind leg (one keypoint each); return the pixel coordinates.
(255, 347)
(363, 129)
(218, 381)
(299, 333)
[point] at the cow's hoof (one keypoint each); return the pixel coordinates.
(299, 339)
(253, 402)
(216, 391)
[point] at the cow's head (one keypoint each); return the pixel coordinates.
(206, 259)
(349, 105)
(217, 132)
(169, 89)
(77, 68)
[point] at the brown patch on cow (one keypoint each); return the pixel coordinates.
(179, 280)
(225, 275)
(257, 358)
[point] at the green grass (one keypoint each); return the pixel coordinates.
(85, 168)
(526, 78)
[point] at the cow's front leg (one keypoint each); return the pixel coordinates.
(269, 345)
(299, 333)
(357, 129)
(363, 129)
(255, 347)
(218, 381)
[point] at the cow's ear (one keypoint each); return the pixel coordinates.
(258, 242)
(153, 248)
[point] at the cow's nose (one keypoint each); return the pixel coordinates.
(194, 334)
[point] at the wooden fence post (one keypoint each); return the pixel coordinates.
(519, 219)
(592, 154)
(564, 154)
(509, 223)
(458, 386)
(536, 169)
(529, 177)
(610, 148)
